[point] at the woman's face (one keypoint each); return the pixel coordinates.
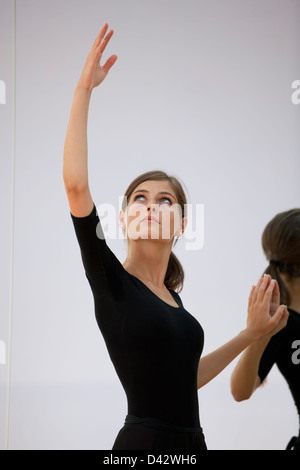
(153, 212)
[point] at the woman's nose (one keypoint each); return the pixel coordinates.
(151, 206)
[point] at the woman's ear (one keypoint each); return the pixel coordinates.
(180, 232)
(182, 227)
(183, 224)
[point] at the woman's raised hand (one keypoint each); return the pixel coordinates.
(93, 73)
(265, 315)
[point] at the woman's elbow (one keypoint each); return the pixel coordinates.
(240, 395)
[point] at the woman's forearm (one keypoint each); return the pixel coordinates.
(212, 364)
(244, 379)
(75, 165)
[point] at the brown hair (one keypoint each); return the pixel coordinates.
(281, 245)
(175, 274)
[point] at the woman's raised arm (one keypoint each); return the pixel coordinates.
(75, 165)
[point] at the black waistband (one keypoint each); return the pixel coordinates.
(157, 423)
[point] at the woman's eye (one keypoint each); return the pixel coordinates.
(166, 199)
(162, 200)
(138, 196)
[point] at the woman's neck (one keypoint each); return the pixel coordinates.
(148, 261)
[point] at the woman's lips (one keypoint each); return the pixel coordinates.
(150, 219)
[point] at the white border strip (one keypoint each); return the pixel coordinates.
(9, 346)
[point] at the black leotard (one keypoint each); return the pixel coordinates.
(155, 347)
(284, 350)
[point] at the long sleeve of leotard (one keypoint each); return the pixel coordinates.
(102, 268)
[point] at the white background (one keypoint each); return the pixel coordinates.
(202, 90)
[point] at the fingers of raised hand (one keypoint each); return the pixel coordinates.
(264, 285)
(256, 289)
(280, 315)
(276, 294)
(250, 300)
(102, 40)
(109, 63)
(268, 294)
(105, 40)
(100, 35)
(285, 315)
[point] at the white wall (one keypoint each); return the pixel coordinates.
(201, 89)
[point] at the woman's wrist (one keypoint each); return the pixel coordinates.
(252, 337)
(86, 91)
